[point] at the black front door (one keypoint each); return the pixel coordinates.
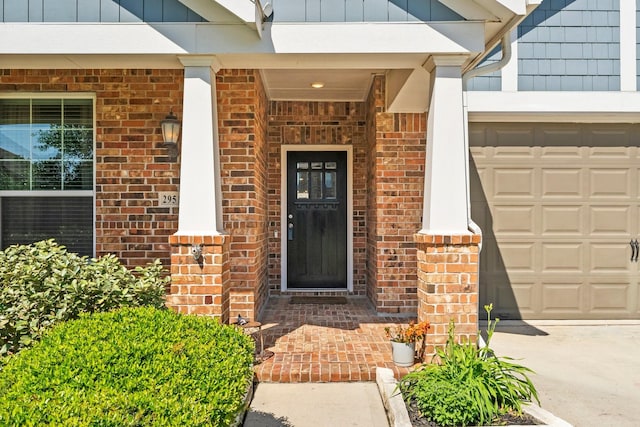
(316, 227)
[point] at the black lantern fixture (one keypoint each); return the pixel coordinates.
(170, 132)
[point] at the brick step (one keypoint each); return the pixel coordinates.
(290, 368)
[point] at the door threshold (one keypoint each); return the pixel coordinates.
(319, 291)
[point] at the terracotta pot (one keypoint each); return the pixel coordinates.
(404, 354)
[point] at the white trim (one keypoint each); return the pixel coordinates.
(50, 95)
(509, 73)
(209, 39)
(628, 30)
(283, 211)
(243, 9)
(599, 107)
(210, 61)
(46, 193)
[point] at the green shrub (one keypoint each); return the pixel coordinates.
(469, 385)
(42, 283)
(129, 367)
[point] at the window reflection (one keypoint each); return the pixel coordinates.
(316, 180)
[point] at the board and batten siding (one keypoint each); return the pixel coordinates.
(570, 45)
(96, 11)
(361, 11)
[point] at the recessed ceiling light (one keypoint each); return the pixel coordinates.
(317, 85)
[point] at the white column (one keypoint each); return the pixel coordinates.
(628, 45)
(200, 187)
(445, 181)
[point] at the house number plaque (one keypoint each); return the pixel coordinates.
(168, 198)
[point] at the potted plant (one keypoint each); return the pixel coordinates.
(403, 341)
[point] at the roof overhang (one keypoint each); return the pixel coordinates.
(249, 12)
(344, 55)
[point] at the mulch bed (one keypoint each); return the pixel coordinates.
(417, 420)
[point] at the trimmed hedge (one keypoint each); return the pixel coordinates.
(130, 367)
(43, 283)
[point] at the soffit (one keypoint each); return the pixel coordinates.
(338, 85)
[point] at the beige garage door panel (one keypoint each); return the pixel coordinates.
(563, 220)
(558, 204)
(610, 298)
(608, 258)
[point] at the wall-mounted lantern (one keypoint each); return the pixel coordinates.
(196, 251)
(170, 132)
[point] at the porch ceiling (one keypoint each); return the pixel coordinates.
(338, 85)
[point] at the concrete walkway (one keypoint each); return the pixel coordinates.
(588, 375)
(316, 405)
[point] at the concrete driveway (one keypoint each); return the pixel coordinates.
(588, 375)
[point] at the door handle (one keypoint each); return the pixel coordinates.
(634, 250)
(637, 245)
(290, 231)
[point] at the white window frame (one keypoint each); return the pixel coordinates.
(59, 193)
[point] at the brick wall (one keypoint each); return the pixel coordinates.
(338, 123)
(200, 286)
(396, 175)
(374, 105)
(131, 164)
(448, 285)
(243, 155)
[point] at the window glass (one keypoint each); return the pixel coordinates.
(315, 190)
(317, 180)
(330, 185)
(303, 185)
(54, 136)
(69, 220)
(46, 145)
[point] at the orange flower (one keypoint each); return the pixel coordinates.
(411, 333)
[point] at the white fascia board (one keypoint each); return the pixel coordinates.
(131, 38)
(584, 107)
(487, 10)
(469, 10)
(243, 9)
(504, 8)
(228, 11)
(127, 39)
(379, 37)
(214, 39)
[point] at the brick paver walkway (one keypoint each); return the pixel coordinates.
(324, 342)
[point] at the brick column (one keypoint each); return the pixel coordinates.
(448, 285)
(202, 286)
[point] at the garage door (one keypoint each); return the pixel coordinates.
(558, 205)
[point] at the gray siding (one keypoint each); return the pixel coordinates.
(570, 45)
(96, 11)
(491, 81)
(361, 11)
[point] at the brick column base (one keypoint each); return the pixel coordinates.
(448, 285)
(200, 287)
